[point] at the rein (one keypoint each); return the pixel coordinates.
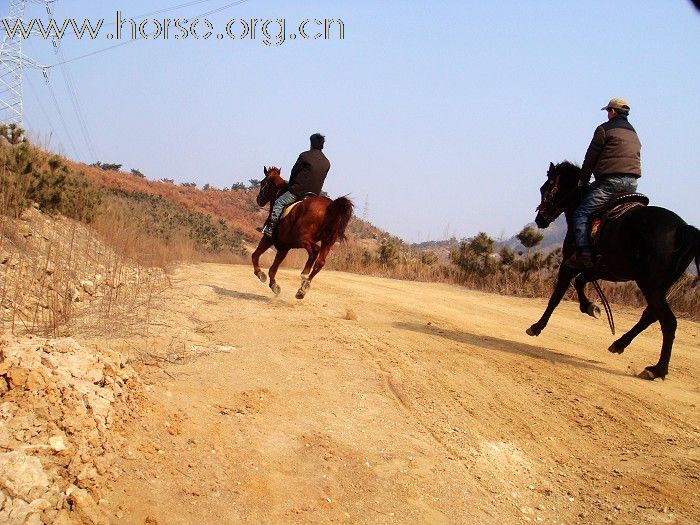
(606, 305)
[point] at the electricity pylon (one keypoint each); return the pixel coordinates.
(11, 68)
(12, 64)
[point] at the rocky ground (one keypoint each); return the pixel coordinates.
(62, 406)
(63, 403)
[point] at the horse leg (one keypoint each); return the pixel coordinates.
(318, 264)
(281, 254)
(563, 280)
(312, 249)
(263, 246)
(657, 302)
(586, 306)
(648, 317)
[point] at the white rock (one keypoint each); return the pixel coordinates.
(58, 443)
(23, 476)
(88, 286)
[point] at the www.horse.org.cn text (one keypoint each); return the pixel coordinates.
(270, 32)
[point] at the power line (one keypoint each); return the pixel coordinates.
(60, 114)
(104, 50)
(41, 106)
(9, 85)
(164, 10)
(72, 92)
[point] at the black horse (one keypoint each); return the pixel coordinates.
(649, 245)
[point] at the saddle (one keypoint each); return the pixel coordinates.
(614, 209)
(289, 208)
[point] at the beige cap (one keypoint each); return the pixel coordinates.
(617, 103)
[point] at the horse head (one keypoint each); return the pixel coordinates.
(269, 186)
(559, 192)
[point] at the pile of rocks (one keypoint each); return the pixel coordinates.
(59, 406)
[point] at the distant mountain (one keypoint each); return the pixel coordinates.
(553, 238)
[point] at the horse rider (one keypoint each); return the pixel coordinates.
(613, 157)
(307, 178)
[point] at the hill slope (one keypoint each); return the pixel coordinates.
(237, 207)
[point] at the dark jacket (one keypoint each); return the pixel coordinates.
(309, 173)
(614, 150)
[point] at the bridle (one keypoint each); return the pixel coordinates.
(263, 190)
(547, 208)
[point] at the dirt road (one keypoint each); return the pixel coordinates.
(381, 401)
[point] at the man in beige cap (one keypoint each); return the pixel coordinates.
(613, 157)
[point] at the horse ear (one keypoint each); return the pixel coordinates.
(551, 166)
(265, 170)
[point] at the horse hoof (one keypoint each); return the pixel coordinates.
(647, 374)
(593, 311)
(262, 277)
(532, 332)
(275, 288)
(613, 348)
(300, 294)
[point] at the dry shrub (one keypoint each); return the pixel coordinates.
(57, 277)
(531, 275)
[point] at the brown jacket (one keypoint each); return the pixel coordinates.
(309, 173)
(614, 150)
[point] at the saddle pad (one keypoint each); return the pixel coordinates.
(288, 209)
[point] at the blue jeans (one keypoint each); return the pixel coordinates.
(284, 200)
(599, 193)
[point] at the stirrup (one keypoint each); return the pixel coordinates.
(267, 230)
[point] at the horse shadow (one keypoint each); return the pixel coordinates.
(507, 346)
(241, 295)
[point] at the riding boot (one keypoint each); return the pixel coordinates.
(268, 229)
(581, 260)
(261, 229)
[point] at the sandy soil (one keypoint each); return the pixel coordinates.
(381, 401)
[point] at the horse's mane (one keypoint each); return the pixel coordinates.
(568, 169)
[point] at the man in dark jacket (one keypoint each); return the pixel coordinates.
(307, 178)
(614, 158)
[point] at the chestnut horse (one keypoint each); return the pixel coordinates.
(649, 245)
(314, 224)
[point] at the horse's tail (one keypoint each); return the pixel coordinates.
(338, 215)
(688, 243)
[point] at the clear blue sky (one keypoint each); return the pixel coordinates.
(441, 117)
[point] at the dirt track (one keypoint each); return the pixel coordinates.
(381, 401)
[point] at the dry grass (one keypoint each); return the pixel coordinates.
(57, 277)
(523, 280)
